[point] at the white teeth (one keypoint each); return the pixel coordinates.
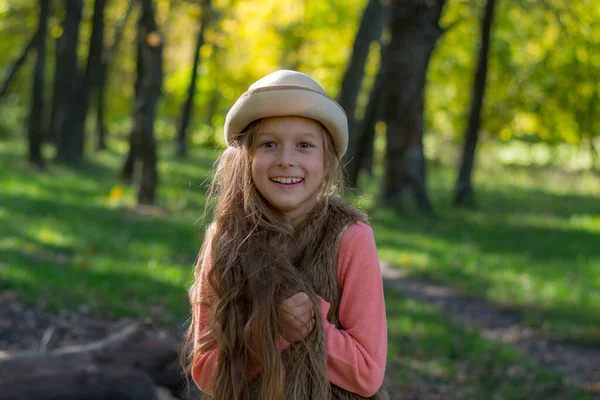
(287, 181)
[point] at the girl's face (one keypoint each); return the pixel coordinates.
(288, 164)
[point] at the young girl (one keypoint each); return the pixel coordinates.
(287, 301)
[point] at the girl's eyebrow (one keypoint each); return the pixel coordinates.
(309, 134)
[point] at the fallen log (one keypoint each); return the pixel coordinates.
(120, 367)
(91, 383)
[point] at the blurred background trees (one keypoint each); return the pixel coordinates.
(410, 74)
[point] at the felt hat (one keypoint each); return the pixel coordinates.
(288, 93)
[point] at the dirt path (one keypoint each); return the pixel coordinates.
(579, 364)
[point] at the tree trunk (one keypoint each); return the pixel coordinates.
(36, 115)
(415, 32)
(52, 130)
(211, 110)
(125, 365)
(92, 75)
(464, 194)
(189, 101)
(129, 166)
(594, 156)
(14, 68)
(142, 156)
(107, 56)
(369, 30)
(67, 85)
(366, 128)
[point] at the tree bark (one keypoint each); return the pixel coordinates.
(464, 194)
(142, 154)
(125, 365)
(594, 156)
(369, 30)
(16, 65)
(67, 85)
(92, 76)
(211, 110)
(107, 56)
(415, 32)
(366, 128)
(189, 101)
(52, 130)
(36, 115)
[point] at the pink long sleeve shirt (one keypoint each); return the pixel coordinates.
(356, 355)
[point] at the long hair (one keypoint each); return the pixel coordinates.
(250, 275)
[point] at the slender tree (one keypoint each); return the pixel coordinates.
(415, 31)
(369, 30)
(92, 76)
(107, 56)
(594, 156)
(363, 148)
(67, 83)
(464, 194)
(142, 157)
(35, 127)
(184, 119)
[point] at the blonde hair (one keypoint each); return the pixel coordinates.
(247, 294)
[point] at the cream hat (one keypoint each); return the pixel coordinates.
(288, 93)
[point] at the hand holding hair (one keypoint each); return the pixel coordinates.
(297, 317)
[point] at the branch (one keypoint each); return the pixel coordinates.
(12, 71)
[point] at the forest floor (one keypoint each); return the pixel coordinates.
(579, 364)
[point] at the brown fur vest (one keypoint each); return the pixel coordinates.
(310, 255)
(315, 256)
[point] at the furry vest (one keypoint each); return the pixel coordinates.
(315, 256)
(309, 255)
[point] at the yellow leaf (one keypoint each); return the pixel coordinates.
(206, 50)
(116, 193)
(57, 32)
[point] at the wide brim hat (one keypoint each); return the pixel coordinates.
(288, 93)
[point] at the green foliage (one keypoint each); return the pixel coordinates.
(542, 79)
(542, 75)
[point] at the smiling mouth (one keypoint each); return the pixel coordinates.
(286, 180)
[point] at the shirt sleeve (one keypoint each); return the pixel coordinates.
(356, 355)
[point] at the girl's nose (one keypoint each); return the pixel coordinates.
(286, 157)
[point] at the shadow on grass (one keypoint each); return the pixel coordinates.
(105, 293)
(524, 251)
(114, 262)
(429, 355)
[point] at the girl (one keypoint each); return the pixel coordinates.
(287, 301)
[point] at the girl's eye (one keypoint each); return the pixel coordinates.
(304, 145)
(267, 144)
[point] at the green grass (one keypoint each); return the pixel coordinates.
(67, 243)
(72, 239)
(425, 350)
(532, 246)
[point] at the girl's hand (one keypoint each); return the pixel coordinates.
(297, 317)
